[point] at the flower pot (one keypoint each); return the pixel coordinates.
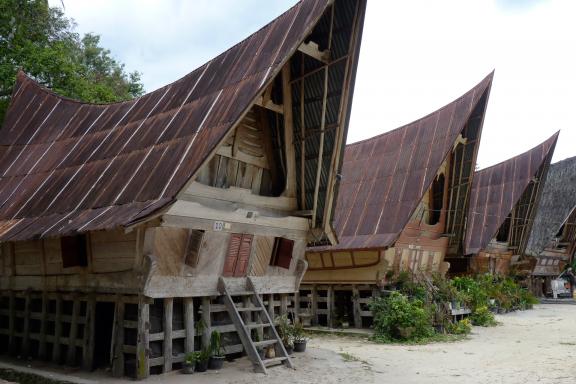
(262, 353)
(188, 368)
(289, 349)
(201, 366)
(300, 346)
(216, 362)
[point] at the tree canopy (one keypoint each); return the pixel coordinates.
(42, 41)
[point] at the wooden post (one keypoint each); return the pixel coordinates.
(329, 305)
(189, 324)
(314, 305)
(43, 327)
(356, 307)
(207, 321)
(290, 190)
(88, 341)
(283, 304)
(118, 339)
(271, 306)
(71, 356)
(12, 323)
(296, 305)
(143, 341)
(25, 349)
(57, 330)
(258, 314)
(168, 309)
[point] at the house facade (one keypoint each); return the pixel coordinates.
(130, 231)
(401, 207)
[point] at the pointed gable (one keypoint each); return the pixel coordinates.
(385, 177)
(497, 189)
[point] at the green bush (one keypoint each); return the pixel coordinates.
(462, 327)
(397, 317)
(481, 316)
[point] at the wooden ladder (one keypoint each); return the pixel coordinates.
(241, 315)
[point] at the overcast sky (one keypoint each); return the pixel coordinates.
(416, 57)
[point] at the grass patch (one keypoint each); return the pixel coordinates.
(567, 343)
(350, 358)
(436, 338)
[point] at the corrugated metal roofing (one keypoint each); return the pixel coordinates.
(67, 166)
(557, 202)
(385, 177)
(497, 189)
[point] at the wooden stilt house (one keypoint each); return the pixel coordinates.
(502, 209)
(553, 238)
(401, 207)
(130, 231)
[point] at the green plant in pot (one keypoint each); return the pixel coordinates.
(298, 338)
(217, 352)
(285, 330)
(190, 361)
(203, 359)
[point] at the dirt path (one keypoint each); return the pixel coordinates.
(537, 346)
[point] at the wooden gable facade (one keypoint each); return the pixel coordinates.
(124, 225)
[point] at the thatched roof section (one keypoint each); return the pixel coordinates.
(557, 202)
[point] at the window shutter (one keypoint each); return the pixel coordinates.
(232, 256)
(243, 256)
(284, 255)
(193, 247)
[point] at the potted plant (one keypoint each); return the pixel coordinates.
(203, 359)
(190, 361)
(298, 338)
(217, 356)
(285, 330)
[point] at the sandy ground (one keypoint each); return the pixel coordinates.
(537, 346)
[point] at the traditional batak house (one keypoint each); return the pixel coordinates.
(502, 209)
(401, 207)
(553, 238)
(140, 227)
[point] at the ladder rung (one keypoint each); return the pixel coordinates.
(274, 361)
(245, 309)
(241, 293)
(265, 343)
(255, 326)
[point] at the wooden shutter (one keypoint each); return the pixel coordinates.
(232, 256)
(243, 256)
(193, 247)
(284, 252)
(74, 251)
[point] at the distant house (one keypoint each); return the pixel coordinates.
(553, 238)
(401, 207)
(130, 231)
(503, 205)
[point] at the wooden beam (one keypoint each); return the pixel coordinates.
(89, 337)
(356, 307)
(189, 324)
(143, 342)
(12, 323)
(269, 104)
(290, 190)
(311, 49)
(207, 322)
(71, 355)
(118, 339)
(168, 309)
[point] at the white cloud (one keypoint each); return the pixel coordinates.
(417, 55)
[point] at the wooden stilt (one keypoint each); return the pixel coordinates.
(329, 305)
(271, 306)
(314, 305)
(71, 356)
(118, 339)
(57, 330)
(88, 340)
(143, 343)
(43, 327)
(189, 324)
(296, 305)
(12, 323)
(168, 310)
(207, 322)
(283, 304)
(356, 307)
(25, 348)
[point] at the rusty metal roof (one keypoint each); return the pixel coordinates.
(385, 177)
(67, 166)
(497, 189)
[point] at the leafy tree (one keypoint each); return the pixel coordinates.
(41, 40)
